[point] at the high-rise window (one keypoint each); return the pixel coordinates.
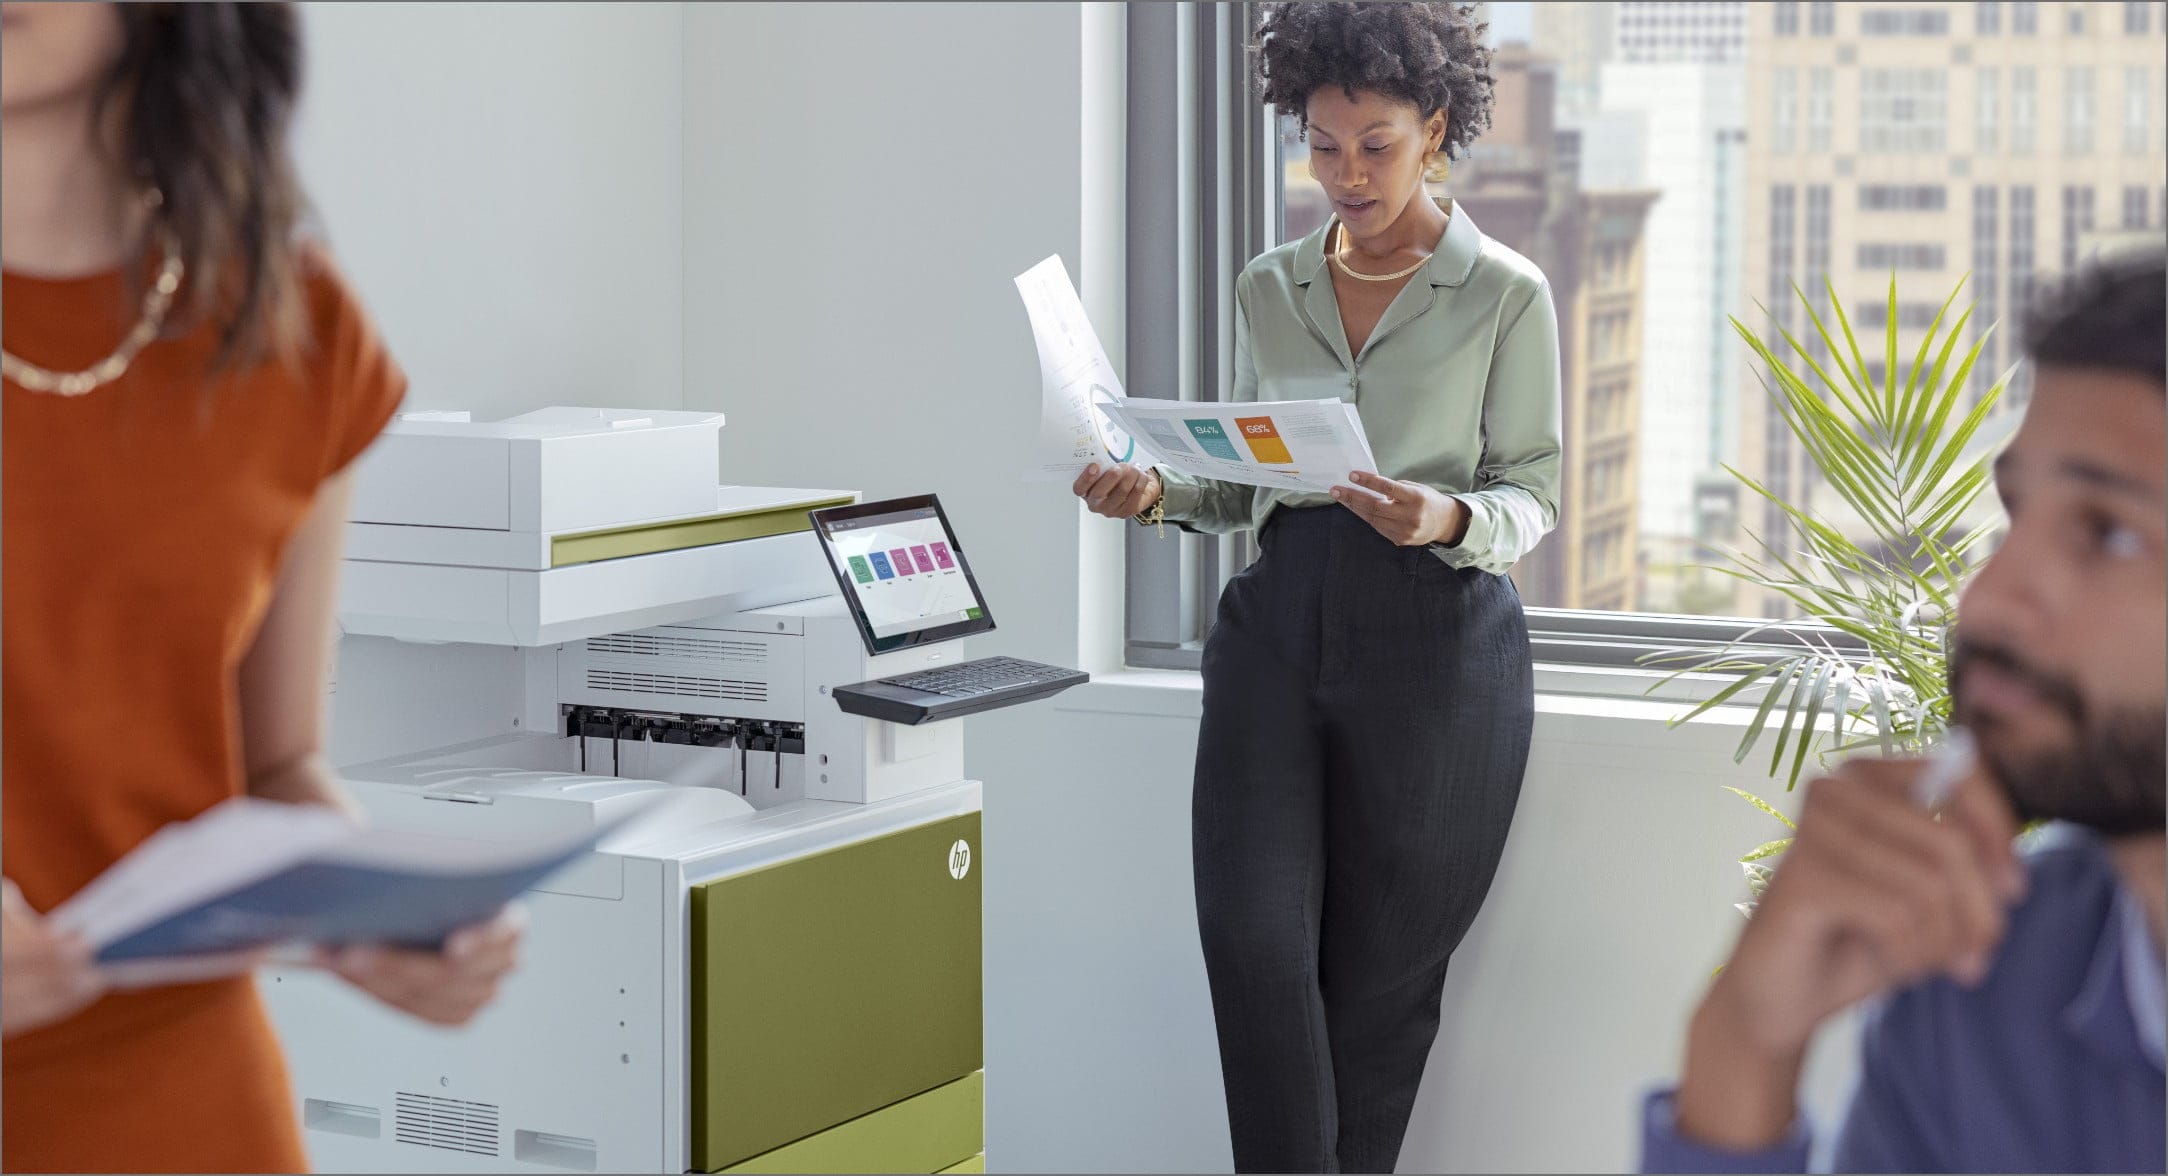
(2024, 109)
(1816, 256)
(1821, 107)
(1901, 197)
(1901, 111)
(2077, 221)
(1822, 20)
(1877, 21)
(2021, 262)
(2137, 109)
(1987, 110)
(2024, 17)
(1987, 17)
(1784, 112)
(2074, 19)
(2078, 110)
(1787, 18)
(2137, 16)
(1775, 433)
(1984, 282)
(1898, 256)
(2134, 206)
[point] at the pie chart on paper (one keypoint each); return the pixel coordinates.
(1120, 445)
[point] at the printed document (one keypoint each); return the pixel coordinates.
(1074, 377)
(1290, 444)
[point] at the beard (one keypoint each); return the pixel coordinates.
(2111, 775)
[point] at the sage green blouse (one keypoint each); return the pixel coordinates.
(1457, 388)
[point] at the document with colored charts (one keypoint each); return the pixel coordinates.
(1074, 376)
(1292, 444)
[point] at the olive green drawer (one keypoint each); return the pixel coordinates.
(976, 1163)
(832, 986)
(941, 1130)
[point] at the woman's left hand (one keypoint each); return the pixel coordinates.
(1408, 513)
(442, 987)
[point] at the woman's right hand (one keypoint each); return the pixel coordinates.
(1123, 492)
(45, 974)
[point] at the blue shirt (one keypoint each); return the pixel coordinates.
(2053, 1064)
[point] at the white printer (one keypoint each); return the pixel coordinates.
(783, 976)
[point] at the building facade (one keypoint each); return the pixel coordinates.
(1935, 142)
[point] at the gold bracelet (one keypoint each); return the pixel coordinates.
(1156, 516)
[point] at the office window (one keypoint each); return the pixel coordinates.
(2024, 108)
(2024, 17)
(1901, 111)
(1984, 285)
(1877, 21)
(1899, 256)
(1821, 106)
(2134, 206)
(2021, 272)
(1987, 110)
(1901, 197)
(1787, 18)
(2137, 109)
(1821, 19)
(1784, 112)
(2137, 17)
(1987, 17)
(2078, 110)
(2074, 18)
(2077, 221)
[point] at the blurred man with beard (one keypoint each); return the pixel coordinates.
(2019, 1008)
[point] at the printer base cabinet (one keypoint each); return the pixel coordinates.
(837, 1005)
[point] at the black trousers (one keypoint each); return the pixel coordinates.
(1367, 711)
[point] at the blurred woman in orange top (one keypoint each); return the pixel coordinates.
(186, 384)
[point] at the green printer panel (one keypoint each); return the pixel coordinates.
(830, 986)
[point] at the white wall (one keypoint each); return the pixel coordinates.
(850, 189)
(501, 185)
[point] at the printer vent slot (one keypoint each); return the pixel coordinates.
(453, 1124)
(674, 684)
(744, 653)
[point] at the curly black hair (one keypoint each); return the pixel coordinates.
(1428, 55)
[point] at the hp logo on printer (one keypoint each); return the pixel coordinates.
(959, 860)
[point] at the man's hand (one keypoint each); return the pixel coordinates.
(1874, 893)
(1123, 492)
(46, 974)
(1408, 513)
(444, 988)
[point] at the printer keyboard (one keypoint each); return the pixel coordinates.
(985, 676)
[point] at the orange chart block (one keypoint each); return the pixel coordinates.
(1264, 440)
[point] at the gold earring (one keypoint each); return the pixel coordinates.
(1437, 168)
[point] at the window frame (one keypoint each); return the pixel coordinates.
(1203, 197)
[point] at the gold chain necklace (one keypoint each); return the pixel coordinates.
(1339, 258)
(156, 301)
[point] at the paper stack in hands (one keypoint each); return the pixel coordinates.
(251, 874)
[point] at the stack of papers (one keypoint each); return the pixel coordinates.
(1084, 419)
(251, 874)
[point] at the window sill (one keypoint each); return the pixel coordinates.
(1594, 692)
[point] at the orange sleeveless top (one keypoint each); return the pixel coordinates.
(141, 528)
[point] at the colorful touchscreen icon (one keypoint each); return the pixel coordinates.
(861, 569)
(925, 561)
(941, 555)
(880, 565)
(902, 560)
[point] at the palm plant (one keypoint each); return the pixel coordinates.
(1866, 664)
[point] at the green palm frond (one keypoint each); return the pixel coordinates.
(1902, 457)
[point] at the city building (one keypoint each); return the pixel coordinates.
(1522, 183)
(1936, 142)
